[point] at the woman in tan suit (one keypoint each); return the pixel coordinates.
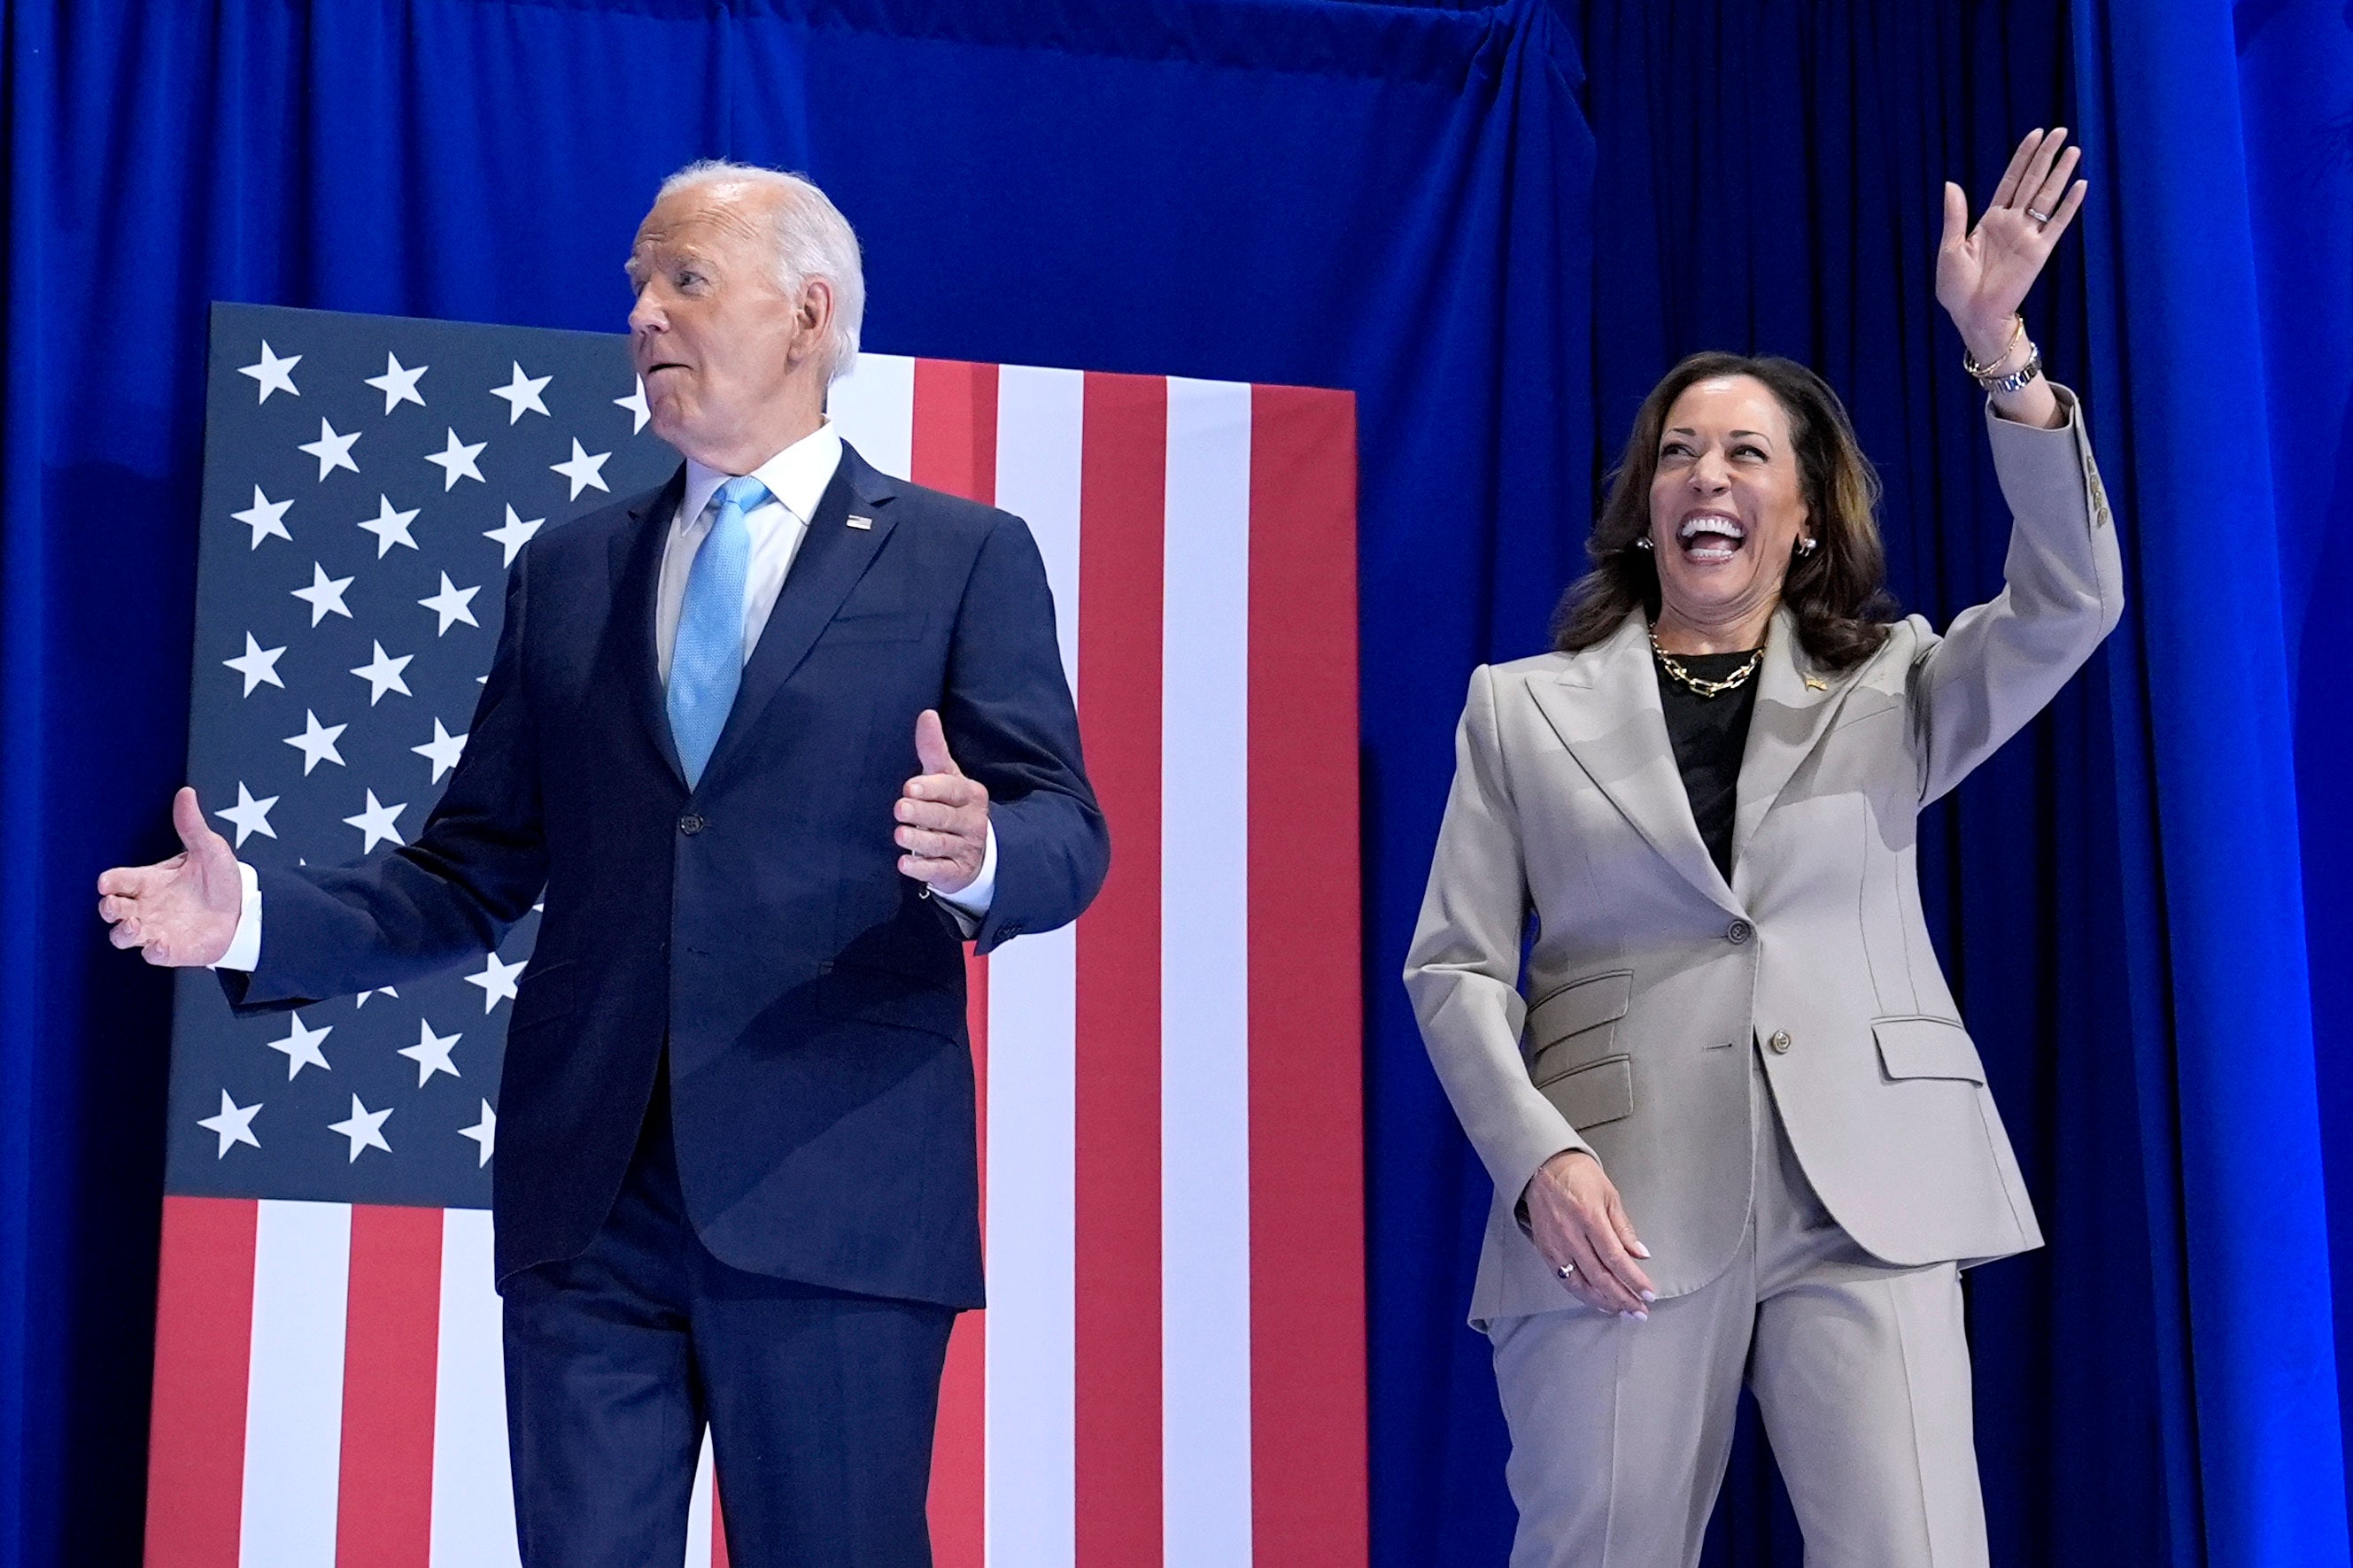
(1736, 1128)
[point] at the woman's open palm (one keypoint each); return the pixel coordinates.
(1983, 273)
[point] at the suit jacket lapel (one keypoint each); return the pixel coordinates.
(635, 563)
(1795, 706)
(1605, 708)
(832, 559)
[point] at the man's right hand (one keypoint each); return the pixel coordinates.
(182, 912)
(1576, 1218)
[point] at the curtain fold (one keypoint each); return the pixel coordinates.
(2294, 69)
(2204, 703)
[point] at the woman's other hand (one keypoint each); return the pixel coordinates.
(1576, 1218)
(1983, 274)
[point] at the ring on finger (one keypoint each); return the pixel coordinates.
(1567, 1270)
(2041, 218)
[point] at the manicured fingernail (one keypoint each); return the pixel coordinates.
(1642, 1316)
(1638, 1250)
(1650, 1295)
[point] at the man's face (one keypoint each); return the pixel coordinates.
(716, 338)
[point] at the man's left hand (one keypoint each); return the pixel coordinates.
(942, 816)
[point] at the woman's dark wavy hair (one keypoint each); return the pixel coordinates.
(1839, 593)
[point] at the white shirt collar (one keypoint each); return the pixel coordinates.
(796, 476)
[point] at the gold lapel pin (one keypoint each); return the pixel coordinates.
(1816, 684)
(861, 522)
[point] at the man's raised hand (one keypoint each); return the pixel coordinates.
(942, 816)
(182, 912)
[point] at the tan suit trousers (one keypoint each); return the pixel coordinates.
(1621, 1429)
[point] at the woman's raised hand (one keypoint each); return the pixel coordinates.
(1576, 1219)
(1983, 273)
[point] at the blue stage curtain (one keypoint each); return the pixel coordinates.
(2219, 389)
(2294, 71)
(1384, 198)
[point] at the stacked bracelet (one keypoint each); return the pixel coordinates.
(1985, 375)
(2016, 380)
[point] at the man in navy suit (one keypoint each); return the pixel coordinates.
(736, 1178)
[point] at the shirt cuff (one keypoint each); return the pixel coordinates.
(970, 906)
(245, 947)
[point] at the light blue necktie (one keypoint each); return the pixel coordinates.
(706, 663)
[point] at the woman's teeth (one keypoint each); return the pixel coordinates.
(1710, 539)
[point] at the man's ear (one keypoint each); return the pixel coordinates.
(813, 318)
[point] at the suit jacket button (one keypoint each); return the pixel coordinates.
(690, 823)
(1780, 1043)
(1738, 932)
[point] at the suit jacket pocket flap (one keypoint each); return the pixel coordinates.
(1577, 1006)
(1601, 1091)
(882, 627)
(1927, 1048)
(547, 991)
(872, 995)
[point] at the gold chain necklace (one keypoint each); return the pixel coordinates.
(1699, 684)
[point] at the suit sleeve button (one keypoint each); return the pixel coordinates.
(1780, 1043)
(1738, 932)
(690, 823)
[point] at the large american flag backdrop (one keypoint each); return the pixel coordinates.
(1171, 1368)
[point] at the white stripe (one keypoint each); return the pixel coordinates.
(294, 1390)
(1204, 979)
(874, 408)
(1032, 1443)
(1040, 415)
(1031, 1446)
(473, 1495)
(698, 1508)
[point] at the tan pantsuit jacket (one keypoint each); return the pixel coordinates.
(1650, 976)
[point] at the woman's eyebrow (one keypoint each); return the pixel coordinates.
(1687, 430)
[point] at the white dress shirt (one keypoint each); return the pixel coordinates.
(797, 478)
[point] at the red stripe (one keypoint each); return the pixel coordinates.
(204, 1348)
(1122, 502)
(1307, 1257)
(958, 1503)
(955, 449)
(718, 1526)
(385, 1510)
(956, 429)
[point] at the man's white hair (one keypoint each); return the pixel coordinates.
(811, 239)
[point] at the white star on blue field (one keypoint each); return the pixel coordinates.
(369, 483)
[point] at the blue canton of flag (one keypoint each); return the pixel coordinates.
(368, 481)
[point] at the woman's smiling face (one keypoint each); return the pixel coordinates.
(1728, 502)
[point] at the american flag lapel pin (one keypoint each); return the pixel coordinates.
(861, 522)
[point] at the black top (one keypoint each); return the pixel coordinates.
(1709, 736)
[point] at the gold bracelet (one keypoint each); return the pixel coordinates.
(1983, 372)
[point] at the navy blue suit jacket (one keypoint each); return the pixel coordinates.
(811, 997)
